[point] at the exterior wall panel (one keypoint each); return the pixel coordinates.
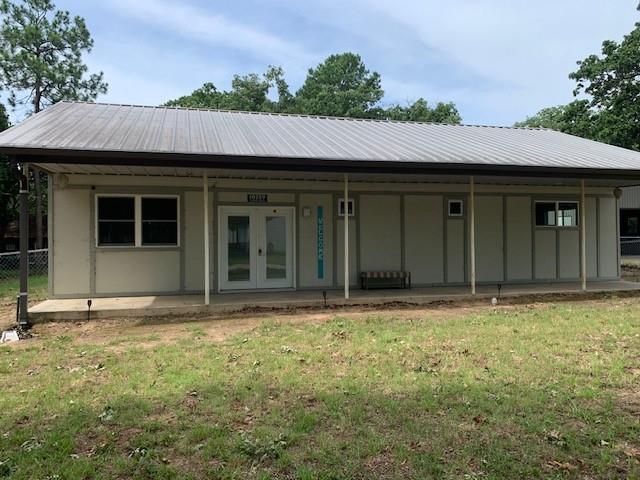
(424, 238)
(545, 253)
(519, 244)
(569, 254)
(455, 251)
(140, 271)
(489, 239)
(353, 255)
(308, 244)
(607, 238)
(72, 242)
(592, 237)
(380, 237)
(193, 241)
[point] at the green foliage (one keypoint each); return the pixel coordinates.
(420, 111)
(41, 55)
(340, 86)
(611, 83)
(248, 93)
(575, 118)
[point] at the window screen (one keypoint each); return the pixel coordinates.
(159, 221)
(116, 221)
(545, 214)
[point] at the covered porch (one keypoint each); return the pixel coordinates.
(283, 301)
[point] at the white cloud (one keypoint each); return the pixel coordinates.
(213, 29)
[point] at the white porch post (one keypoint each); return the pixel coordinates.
(472, 233)
(207, 275)
(346, 236)
(583, 236)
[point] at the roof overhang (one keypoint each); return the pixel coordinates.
(43, 158)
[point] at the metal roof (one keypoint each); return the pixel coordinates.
(128, 131)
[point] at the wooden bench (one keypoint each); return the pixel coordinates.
(385, 279)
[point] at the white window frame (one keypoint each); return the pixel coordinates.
(452, 201)
(557, 210)
(341, 210)
(137, 199)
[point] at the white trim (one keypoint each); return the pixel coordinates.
(137, 199)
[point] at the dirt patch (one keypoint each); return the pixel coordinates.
(629, 401)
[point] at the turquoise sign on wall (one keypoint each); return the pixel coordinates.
(320, 242)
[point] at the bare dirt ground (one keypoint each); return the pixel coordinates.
(164, 330)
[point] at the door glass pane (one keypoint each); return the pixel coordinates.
(276, 247)
(239, 269)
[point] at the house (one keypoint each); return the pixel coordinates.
(159, 200)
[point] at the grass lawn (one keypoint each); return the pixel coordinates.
(514, 392)
(38, 287)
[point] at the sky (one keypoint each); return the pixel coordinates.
(497, 60)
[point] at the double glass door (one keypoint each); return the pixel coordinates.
(256, 247)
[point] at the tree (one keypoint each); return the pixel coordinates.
(420, 111)
(8, 186)
(41, 62)
(340, 86)
(611, 84)
(576, 118)
(249, 93)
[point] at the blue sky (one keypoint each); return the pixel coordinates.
(498, 60)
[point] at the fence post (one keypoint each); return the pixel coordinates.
(24, 249)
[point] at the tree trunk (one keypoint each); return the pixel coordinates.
(38, 182)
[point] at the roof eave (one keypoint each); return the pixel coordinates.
(269, 163)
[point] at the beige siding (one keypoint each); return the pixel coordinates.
(519, 245)
(569, 253)
(380, 244)
(424, 238)
(308, 245)
(353, 255)
(592, 237)
(455, 250)
(193, 241)
(139, 271)
(72, 242)
(545, 252)
(608, 238)
(489, 239)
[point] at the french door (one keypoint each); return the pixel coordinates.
(256, 247)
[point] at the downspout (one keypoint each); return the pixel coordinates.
(583, 236)
(346, 236)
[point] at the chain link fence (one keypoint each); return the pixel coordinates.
(629, 247)
(10, 264)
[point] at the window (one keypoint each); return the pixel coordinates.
(630, 222)
(556, 214)
(341, 207)
(546, 214)
(116, 221)
(455, 208)
(137, 220)
(159, 221)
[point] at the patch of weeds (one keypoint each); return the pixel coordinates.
(260, 450)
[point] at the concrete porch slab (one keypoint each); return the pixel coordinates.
(229, 303)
